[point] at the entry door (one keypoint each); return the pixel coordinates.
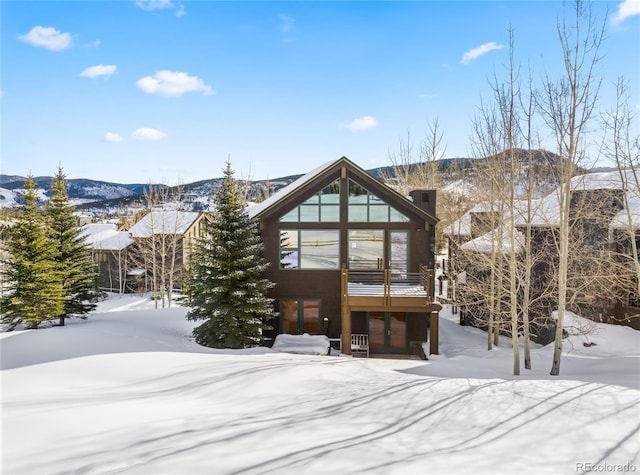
(388, 332)
(300, 316)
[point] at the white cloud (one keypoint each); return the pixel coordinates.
(287, 23)
(626, 9)
(112, 137)
(170, 83)
(152, 5)
(93, 44)
(364, 123)
(47, 37)
(479, 51)
(147, 133)
(99, 70)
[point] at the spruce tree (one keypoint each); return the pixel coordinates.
(225, 284)
(77, 272)
(33, 289)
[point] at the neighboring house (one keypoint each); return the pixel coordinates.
(110, 253)
(351, 256)
(602, 278)
(125, 258)
(169, 235)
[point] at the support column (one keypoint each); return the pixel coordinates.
(345, 336)
(433, 333)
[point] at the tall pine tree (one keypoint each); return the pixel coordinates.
(33, 288)
(77, 272)
(226, 285)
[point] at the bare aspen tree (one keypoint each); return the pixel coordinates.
(622, 146)
(411, 168)
(159, 241)
(567, 106)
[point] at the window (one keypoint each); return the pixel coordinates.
(365, 207)
(366, 249)
(399, 253)
(300, 316)
(310, 249)
(323, 207)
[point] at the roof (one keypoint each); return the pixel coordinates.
(545, 212)
(462, 226)
(105, 237)
(164, 222)
(259, 209)
(117, 241)
(486, 243)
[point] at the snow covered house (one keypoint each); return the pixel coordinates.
(125, 259)
(352, 259)
(109, 252)
(162, 242)
(604, 220)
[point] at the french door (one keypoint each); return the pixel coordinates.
(300, 316)
(387, 332)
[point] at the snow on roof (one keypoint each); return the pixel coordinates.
(94, 232)
(116, 241)
(462, 226)
(164, 222)
(273, 199)
(487, 242)
(105, 237)
(547, 210)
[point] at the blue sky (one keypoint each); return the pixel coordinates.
(139, 91)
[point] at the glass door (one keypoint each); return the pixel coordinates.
(300, 316)
(387, 332)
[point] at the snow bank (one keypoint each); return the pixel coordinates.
(128, 391)
(302, 344)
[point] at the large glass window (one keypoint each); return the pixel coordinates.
(398, 253)
(300, 316)
(310, 249)
(323, 207)
(365, 207)
(366, 249)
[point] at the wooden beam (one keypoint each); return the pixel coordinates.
(433, 333)
(345, 314)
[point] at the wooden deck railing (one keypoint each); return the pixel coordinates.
(388, 282)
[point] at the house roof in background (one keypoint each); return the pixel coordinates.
(164, 222)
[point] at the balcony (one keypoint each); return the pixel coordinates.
(389, 291)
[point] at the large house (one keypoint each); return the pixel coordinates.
(604, 223)
(352, 259)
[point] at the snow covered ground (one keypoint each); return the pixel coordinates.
(128, 391)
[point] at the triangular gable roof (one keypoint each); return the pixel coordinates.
(298, 186)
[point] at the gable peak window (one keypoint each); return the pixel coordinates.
(365, 207)
(322, 207)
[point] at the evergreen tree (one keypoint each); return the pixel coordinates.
(33, 288)
(225, 283)
(77, 272)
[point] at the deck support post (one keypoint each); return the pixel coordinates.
(433, 333)
(345, 336)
